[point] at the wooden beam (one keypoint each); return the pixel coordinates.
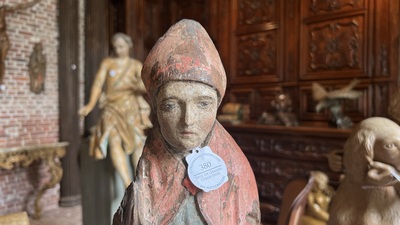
(135, 26)
(69, 99)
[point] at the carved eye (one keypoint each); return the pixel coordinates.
(168, 106)
(203, 104)
(390, 145)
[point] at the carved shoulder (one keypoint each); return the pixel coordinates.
(124, 213)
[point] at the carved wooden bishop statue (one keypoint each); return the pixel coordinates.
(191, 170)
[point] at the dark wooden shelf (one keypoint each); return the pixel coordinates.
(298, 131)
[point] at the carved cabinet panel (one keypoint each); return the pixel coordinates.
(334, 49)
(255, 54)
(253, 12)
(319, 7)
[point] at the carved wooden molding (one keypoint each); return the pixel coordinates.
(304, 148)
(25, 156)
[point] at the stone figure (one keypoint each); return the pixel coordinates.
(318, 200)
(37, 69)
(4, 41)
(124, 112)
(191, 170)
(334, 100)
(283, 115)
(369, 191)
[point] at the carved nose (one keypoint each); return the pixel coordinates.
(188, 116)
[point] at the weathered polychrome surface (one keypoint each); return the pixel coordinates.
(185, 77)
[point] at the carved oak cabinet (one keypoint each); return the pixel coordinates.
(286, 45)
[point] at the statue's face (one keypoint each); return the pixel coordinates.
(121, 48)
(387, 145)
(186, 113)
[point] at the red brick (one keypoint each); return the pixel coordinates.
(27, 118)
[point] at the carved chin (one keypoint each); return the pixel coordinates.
(187, 144)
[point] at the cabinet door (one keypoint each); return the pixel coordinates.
(257, 37)
(334, 43)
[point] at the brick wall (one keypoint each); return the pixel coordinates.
(26, 118)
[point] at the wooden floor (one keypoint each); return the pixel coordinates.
(60, 216)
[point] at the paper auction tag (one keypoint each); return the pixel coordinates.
(206, 170)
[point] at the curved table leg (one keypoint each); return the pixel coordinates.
(55, 170)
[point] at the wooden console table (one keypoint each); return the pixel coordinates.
(25, 156)
(279, 154)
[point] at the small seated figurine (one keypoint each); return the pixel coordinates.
(318, 200)
(369, 191)
(191, 170)
(283, 115)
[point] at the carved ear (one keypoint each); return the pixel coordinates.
(367, 137)
(358, 153)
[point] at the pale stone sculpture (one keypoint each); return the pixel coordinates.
(124, 115)
(186, 82)
(369, 192)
